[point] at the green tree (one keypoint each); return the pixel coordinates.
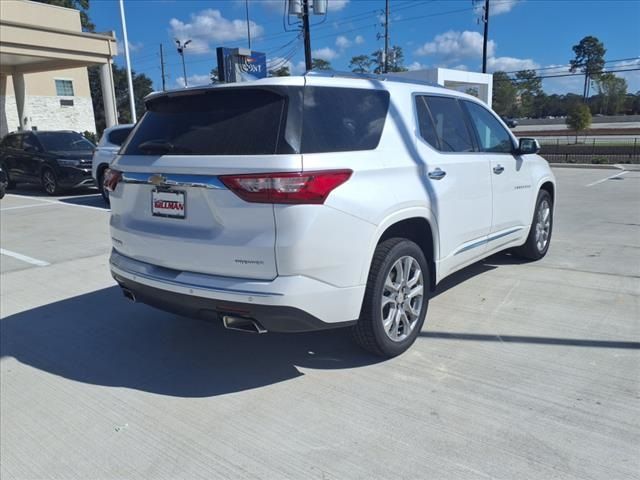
(214, 76)
(360, 64)
(579, 118)
(612, 91)
(395, 61)
(529, 86)
(320, 64)
(589, 59)
(81, 5)
(280, 72)
(504, 94)
(142, 86)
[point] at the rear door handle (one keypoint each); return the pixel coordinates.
(437, 174)
(498, 169)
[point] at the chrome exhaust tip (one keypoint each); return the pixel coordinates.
(129, 294)
(242, 324)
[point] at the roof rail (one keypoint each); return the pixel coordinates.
(370, 76)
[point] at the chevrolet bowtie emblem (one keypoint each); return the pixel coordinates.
(157, 179)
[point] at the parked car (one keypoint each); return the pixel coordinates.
(3, 183)
(108, 146)
(56, 160)
(510, 122)
(323, 201)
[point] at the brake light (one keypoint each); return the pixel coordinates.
(111, 179)
(296, 188)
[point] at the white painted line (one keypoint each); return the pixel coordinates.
(24, 258)
(26, 206)
(55, 202)
(608, 178)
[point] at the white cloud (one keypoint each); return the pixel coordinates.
(510, 64)
(457, 45)
(359, 40)
(325, 53)
(343, 42)
(632, 78)
(133, 47)
(497, 8)
(210, 26)
(416, 66)
(194, 80)
(336, 5)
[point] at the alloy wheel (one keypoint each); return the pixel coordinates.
(402, 298)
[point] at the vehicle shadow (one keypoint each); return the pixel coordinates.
(99, 338)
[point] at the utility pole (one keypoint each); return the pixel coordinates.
(181, 49)
(246, 6)
(132, 103)
(386, 38)
(162, 67)
(486, 36)
(307, 35)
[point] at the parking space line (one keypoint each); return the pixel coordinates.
(24, 258)
(56, 202)
(26, 206)
(608, 178)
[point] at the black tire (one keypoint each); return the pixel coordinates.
(369, 332)
(532, 249)
(49, 181)
(105, 194)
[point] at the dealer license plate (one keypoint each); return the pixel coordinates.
(168, 204)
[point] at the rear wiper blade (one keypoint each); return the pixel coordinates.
(161, 146)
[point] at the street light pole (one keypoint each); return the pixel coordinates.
(181, 48)
(132, 103)
(307, 35)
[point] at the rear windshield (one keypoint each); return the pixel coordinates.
(119, 135)
(64, 142)
(243, 121)
(261, 121)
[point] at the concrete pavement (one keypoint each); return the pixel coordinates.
(523, 370)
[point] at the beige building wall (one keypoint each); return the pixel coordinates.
(46, 112)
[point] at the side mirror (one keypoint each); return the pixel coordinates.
(527, 146)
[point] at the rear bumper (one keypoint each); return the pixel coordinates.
(284, 304)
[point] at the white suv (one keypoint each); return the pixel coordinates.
(301, 203)
(106, 151)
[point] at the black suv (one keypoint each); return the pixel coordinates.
(56, 160)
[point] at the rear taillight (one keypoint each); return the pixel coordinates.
(111, 179)
(299, 187)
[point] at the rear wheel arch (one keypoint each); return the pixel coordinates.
(420, 231)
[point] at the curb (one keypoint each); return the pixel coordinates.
(587, 165)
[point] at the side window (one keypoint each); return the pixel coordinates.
(30, 143)
(11, 141)
(492, 136)
(443, 124)
(118, 136)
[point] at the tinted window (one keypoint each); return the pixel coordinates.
(492, 136)
(11, 141)
(64, 142)
(342, 119)
(443, 125)
(225, 121)
(118, 136)
(29, 142)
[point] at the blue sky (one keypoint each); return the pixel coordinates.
(522, 34)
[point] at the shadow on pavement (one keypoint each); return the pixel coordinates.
(33, 190)
(94, 200)
(102, 339)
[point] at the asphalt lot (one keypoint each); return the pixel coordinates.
(523, 370)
